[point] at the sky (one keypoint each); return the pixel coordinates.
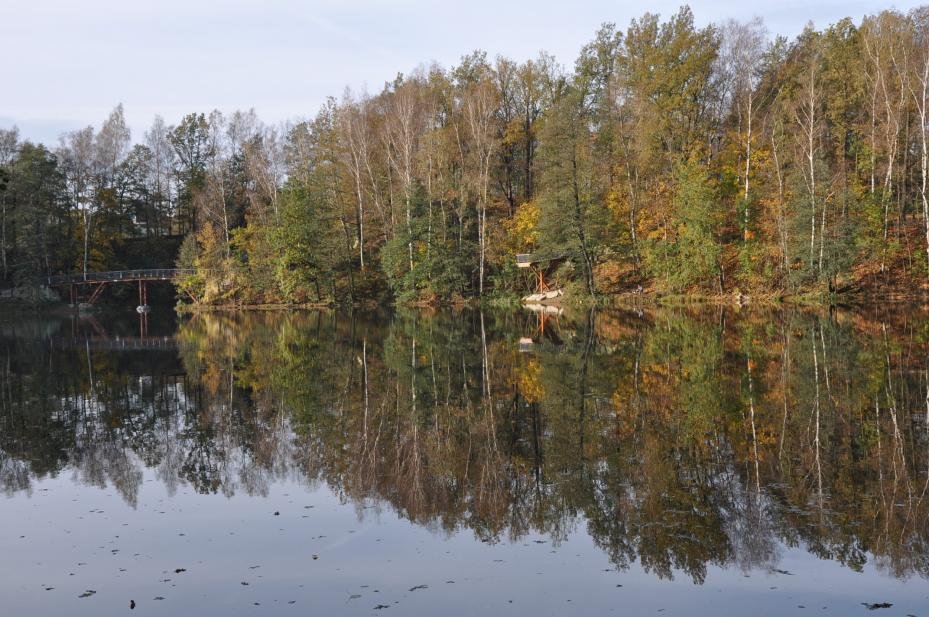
(68, 63)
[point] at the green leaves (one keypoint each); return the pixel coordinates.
(686, 253)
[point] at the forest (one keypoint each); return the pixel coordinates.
(671, 160)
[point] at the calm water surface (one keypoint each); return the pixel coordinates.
(673, 462)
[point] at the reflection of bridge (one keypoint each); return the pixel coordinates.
(98, 338)
(119, 343)
(99, 280)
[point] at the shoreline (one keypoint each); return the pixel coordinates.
(623, 300)
(17, 308)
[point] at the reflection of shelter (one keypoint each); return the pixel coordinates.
(544, 313)
(542, 264)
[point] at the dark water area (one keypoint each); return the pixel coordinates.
(668, 462)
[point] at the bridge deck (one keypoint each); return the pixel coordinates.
(161, 274)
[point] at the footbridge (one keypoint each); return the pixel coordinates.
(92, 284)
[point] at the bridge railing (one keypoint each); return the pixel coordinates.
(158, 274)
(524, 260)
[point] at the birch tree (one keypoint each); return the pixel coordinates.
(160, 183)
(9, 144)
(403, 124)
(806, 114)
(918, 86)
(479, 108)
(77, 156)
(742, 49)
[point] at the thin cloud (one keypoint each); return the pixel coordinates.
(284, 58)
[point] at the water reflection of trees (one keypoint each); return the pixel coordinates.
(681, 439)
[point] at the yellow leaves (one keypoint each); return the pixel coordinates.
(655, 376)
(653, 208)
(523, 228)
(207, 237)
(529, 381)
(616, 202)
(514, 133)
(625, 416)
(655, 234)
(767, 436)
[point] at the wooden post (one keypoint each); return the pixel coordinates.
(97, 291)
(543, 287)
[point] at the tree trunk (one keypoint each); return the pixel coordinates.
(924, 159)
(409, 220)
(579, 227)
(88, 217)
(781, 214)
(361, 226)
(3, 237)
(748, 161)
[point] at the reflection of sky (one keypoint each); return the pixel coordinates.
(218, 540)
(74, 61)
(145, 439)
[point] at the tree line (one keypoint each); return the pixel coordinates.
(672, 158)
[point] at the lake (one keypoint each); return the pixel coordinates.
(677, 461)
